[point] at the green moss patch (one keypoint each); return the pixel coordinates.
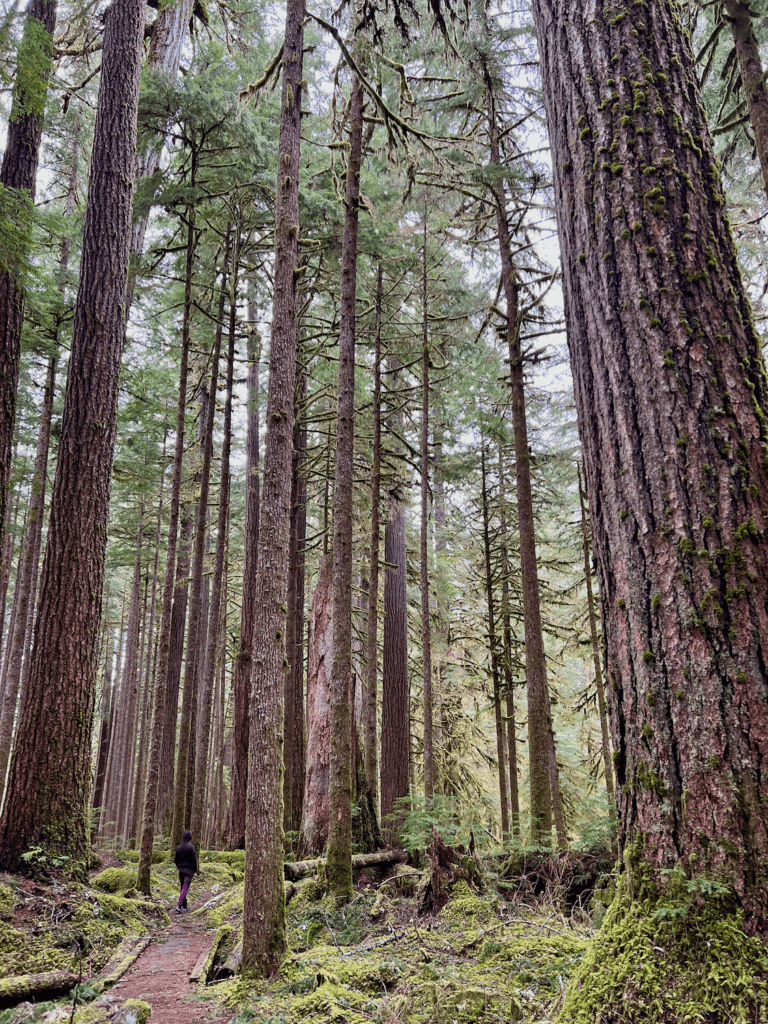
(114, 880)
(675, 954)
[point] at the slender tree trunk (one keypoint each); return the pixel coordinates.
(27, 574)
(108, 694)
(670, 386)
(127, 710)
(340, 836)
(740, 16)
(140, 796)
(599, 687)
(395, 712)
(18, 175)
(54, 734)
(166, 679)
(138, 760)
(372, 649)
(108, 804)
(544, 776)
(214, 649)
(184, 766)
(426, 634)
(315, 812)
(493, 644)
(295, 751)
(242, 679)
(514, 792)
(264, 908)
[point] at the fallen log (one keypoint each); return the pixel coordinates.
(302, 868)
(23, 986)
(231, 965)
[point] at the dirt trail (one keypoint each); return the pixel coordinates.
(160, 976)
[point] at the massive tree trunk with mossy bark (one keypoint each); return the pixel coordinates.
(670, 390)
(264, 907)
(55, 720)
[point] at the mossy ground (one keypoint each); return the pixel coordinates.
(61, 925)
(479, 958)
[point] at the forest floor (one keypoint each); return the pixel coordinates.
(504, 953)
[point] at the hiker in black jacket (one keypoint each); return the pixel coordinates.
(185, 860)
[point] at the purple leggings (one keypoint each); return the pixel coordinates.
(184, 882)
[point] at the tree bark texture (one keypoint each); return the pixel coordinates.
(314, 820)
(670, 390)
(264, 907)
(340, 797)
(18, 174)
(243, 663)
(49, 779)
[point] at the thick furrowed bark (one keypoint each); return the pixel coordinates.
(54, 735)
(670, 389)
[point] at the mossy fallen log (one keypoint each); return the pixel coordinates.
(302, 868)
(129, 950)
(35, 986)
(203, 967)
(232, 965)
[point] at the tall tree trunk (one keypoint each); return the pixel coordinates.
(107, 706)
(18, 175)
(140, 795)
(339, 868)
(372, 648)
(426, 634)
(106, 824)
(295, 751)
(167, 678)
(514, 791)
(243, 662)
(264, 907)
(315, 812)
(544, 775)
(493, 644)
(128, 709)
(670, 386)
(740, 16)
(213, 645)
(599, 687)
(27, 573)
(63, 672)
(395, 712)
(184, 765)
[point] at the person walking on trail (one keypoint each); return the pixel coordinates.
(185, 860)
